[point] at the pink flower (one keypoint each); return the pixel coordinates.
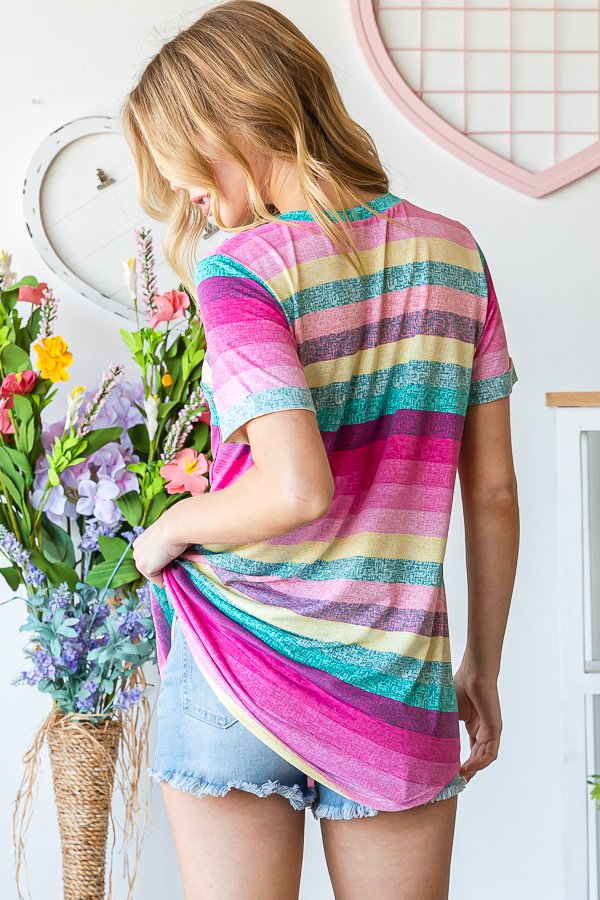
(171, 305)
(18, 383)
(185, 472)
(6, 426)
(32, 294)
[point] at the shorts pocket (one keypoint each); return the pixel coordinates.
(197, 697)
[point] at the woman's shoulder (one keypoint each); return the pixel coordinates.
(254, 253)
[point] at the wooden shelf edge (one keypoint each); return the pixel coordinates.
(573, 398)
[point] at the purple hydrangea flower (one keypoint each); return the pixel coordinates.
(128, 698)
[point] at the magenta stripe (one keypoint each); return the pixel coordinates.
(279, 702)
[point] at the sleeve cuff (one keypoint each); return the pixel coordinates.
(260, 403)
(488, 389)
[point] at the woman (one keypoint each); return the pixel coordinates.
(356, 360)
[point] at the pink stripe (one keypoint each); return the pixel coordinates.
(320, 323)
(296, 246)
(371, 773)
(397, 594)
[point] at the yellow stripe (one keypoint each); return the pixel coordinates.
(325, 269)
(371, 544)
(421, 347)
(405, 643)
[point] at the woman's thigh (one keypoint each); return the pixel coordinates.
(235, 846)
(394, 855)
(235, 807)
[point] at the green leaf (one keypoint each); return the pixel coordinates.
(112, 547)
(23, 407)
(133, 340)
(130, 505)
(200, 437)
(20, 462)
(101, 572)
(56, 572)
(29, 439)
(138, 435)
(139, 468)
(100, 437)
(57, 543)
(156, 507)
(10, 296)
(14, 359)
(174, 350)
(13, 480)
(12, 576)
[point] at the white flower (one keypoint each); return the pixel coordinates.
(130, 276)
(7, 278)
(74, 401)
(151, 410)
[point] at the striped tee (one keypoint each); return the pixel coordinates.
(330, 642)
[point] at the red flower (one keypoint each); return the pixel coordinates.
(32, 293)
(171, 305)
(6, 426)
(18, 383)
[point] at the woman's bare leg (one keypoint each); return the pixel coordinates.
(393, 855)
(236, 846)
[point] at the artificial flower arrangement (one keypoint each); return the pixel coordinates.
(75, 494)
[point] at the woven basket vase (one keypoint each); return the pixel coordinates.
(83, 757)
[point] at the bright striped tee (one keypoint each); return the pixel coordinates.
(330, 642)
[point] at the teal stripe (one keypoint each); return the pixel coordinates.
(210, 399)
(352, 290)
(217, 264)
(412, 373)
(345, 291)
(357, 568)
(428, 685)
(412, 396)
(488, 389)
(260, 402)
(164, 603)
(444, 388)
(354, 213)
(332, 415)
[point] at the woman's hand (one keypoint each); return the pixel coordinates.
(153, 550)
(479, 707)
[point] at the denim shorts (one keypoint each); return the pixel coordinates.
(201, 748)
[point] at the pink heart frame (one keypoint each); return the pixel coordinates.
(534, 184)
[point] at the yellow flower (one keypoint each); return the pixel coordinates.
(53, 357)
(166, 380)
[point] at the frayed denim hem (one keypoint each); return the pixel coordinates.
(451, 789)
(348, 810)
(192, 784)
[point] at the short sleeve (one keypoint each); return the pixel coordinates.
(493, 373)
(252, 360)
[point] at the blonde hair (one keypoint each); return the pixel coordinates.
(245, 64)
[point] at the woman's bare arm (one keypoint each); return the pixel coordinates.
(491, 515)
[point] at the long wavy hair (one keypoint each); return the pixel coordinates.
(246, 69)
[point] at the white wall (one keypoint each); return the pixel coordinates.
(79, 59)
